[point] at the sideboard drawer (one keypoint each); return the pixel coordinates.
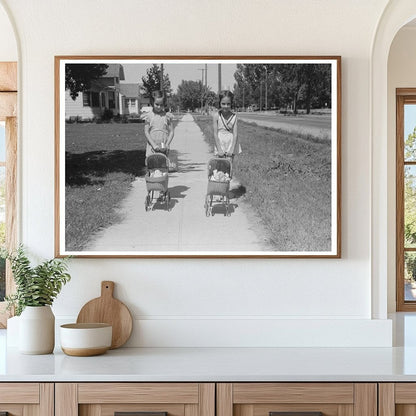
(308, 399)
(146, 399)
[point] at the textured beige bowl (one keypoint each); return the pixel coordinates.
(83, 340)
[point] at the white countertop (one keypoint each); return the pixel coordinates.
(221, 364)
(215, 364)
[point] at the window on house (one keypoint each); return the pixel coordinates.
(86, 99)
(406, 199)
(8, 165)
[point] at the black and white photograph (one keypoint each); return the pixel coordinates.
(198, 157)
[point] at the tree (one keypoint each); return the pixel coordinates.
(410, 191)
(410, 205)
(78, 77)
(190, 94)
(151, 81)
(290, 85)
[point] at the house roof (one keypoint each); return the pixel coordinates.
(130, 90)
(114, 70)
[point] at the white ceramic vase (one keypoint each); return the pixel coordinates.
(37, 330)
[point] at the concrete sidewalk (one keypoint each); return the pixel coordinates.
(185, 228)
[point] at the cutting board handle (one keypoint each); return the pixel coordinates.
(107, 289)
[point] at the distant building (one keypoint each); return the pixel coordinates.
(130, 98)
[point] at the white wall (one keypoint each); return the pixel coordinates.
(401, 74)
(211, 302)
(8, 45)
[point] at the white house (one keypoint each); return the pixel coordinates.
(104, 94)
(130, 98)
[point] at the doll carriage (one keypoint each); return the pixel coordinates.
(157, 179)
(219, 176)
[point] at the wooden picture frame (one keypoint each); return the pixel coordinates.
(282, 195)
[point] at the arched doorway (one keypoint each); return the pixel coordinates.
(396, 15)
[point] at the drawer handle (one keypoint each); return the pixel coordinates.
(295, 413)
(139, 414)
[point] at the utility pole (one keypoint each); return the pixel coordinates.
(219, 79)
(206, 85)
(260, 98)
(265, 95)
(202, 87)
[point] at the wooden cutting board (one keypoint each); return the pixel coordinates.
(109, 310)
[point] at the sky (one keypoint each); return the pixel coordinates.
(185, 71)
(409, 119)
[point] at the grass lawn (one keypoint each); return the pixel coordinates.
(102, 160)
(288, 184)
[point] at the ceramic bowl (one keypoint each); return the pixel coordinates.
(84, 340)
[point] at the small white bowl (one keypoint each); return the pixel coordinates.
(83, 340)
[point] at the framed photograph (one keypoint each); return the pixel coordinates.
(183, 156)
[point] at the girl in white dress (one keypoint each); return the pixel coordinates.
(225, 127)
(158, 127)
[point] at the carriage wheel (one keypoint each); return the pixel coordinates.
(227, 206)
(208, 202)
(147, 202)
(167, 199)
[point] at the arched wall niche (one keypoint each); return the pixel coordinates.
(396, 15)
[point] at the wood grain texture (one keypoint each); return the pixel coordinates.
(11, 207)
(138, 393)
(11, 195)
(400, 305)
(8, 76)
(47, 399)
(405, 393)
(8, 105)
(265, 409)
(365, 399)
(13, 409)
(109, 310)
(224, 399)
(27, 393)
(341, 393)
(405, 410)
(110, 409)
(190, 410)
(386, 399)
(90, 410)
(346, 410)
(207, 399)
(66, 399)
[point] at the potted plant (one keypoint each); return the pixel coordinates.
(36, 289)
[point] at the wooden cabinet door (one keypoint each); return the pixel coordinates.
(26, 399)
(297, 399)
(397, 399)
(144, 399)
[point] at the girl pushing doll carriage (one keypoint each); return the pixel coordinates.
(159, 133)
(226, 146)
